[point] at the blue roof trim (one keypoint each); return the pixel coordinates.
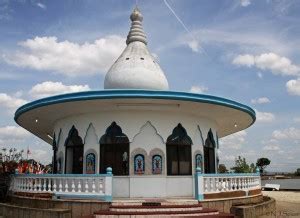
(132, 93)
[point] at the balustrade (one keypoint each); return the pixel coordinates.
(66, 185)
(217, 183)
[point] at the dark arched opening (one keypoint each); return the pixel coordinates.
(209, 154)
(179, 155)
(114, 150)
(74, 153)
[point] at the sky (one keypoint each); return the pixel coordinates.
(244, 50)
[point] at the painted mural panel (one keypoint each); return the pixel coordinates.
(198, 161)
(156, 164)
(90, 163)
(139, 164)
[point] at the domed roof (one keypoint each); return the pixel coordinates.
(136, 68)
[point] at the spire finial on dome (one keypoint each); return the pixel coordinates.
(136, 32)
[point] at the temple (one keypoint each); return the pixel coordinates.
(135, 138)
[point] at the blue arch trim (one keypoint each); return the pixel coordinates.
(133, 93)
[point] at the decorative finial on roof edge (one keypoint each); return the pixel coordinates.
(136, 32)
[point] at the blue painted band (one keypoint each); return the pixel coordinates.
(135, 94)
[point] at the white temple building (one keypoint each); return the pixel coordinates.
(152, 139)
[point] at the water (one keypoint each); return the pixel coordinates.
(284, 183)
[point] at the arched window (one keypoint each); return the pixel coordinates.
(90, 163)
(209, 154)
(139, 164)
(114, 150)
(156, 164)
(74, 152)
(179, 152)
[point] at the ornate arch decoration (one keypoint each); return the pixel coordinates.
(210, 141)
(114, 135)
(73, 138)
(153, 127)
(179, 136)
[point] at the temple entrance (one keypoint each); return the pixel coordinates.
(114, 151)
(74, 153)
(209, 154)
(179, 155)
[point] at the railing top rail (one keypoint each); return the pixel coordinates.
(61, 175)
(230, 175)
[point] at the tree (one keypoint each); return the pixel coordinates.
(222, 169)
(241, 166)
(262, 163)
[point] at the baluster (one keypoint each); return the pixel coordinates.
(54, 185)
(101, 186)
(79, 185)
(226, 184)
(66, 185)
(27, 185)
(39, 184)
(86, 185)
(73, 186)
(45, 185)
(34, 184)
(205, 185)
(214, 184)
(93, 186)
(60, 185)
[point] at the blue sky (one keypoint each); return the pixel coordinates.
(244, 50)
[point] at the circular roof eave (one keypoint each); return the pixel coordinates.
(41, 104)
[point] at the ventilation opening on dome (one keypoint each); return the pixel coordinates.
(127, 58)
(142, 58)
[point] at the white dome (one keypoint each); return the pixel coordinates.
(136, 68)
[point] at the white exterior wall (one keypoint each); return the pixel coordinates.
(146, 130)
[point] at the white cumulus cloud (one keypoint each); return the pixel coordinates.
(245, 3)
(41, 5)
(293, 87)
(234, 141)
(268, 61)
(262, 100)
(10, 102)
(49, 88)
(198, 89)
(271, 147)
(68, 58)
(289, 133)
(13, 132)
(264, 116)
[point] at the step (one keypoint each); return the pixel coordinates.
(141, 208)
(201, 212)
(174, 201)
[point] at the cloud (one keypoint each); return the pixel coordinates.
(13, 133)
(262, 100)
(234, 141)
(245, 3)
(49, 88)
(293, 87)
(268, 61)
(43, 6)
(198, 89)
(11, 102)
(297, 119)
(67, 58)
(289, 133)
(264, 116)
(271, 147)
(259, 74)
